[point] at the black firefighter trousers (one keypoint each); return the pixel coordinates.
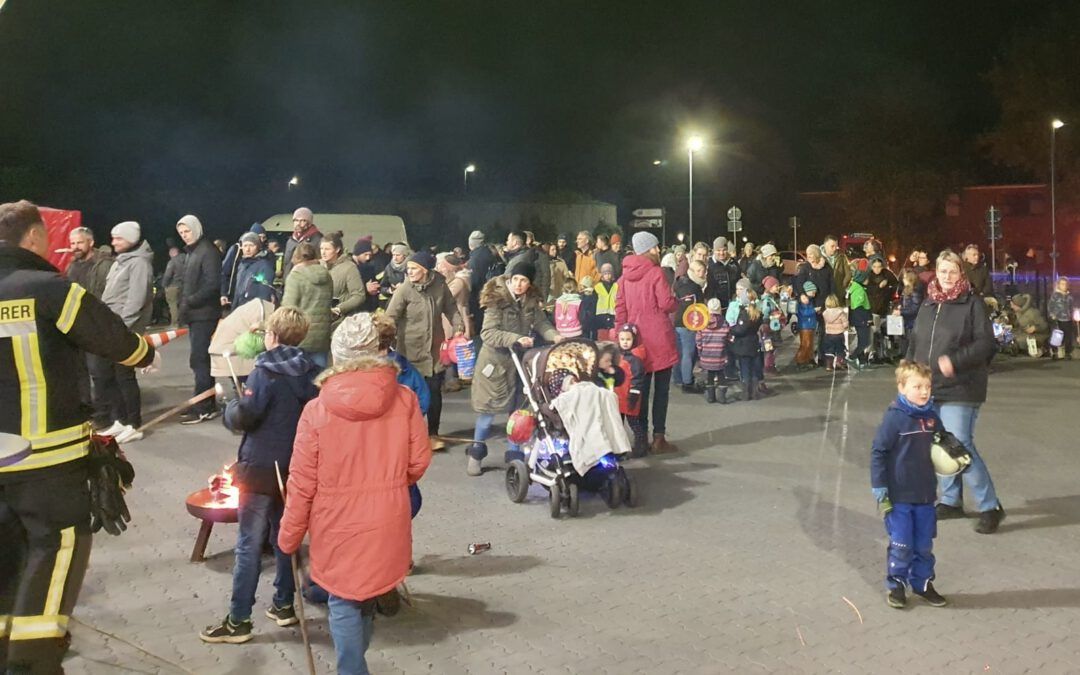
(44, 550)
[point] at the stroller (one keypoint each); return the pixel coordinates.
(547, 453)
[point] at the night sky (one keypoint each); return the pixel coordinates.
(212, 106)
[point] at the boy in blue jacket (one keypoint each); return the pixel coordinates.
(904, 484)
(274, 396)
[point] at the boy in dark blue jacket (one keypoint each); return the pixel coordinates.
(274, 396)
(903, 481)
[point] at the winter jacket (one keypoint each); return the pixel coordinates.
(459, 291)
(822, 279)
(961, 330)
(201, 298)
(909, 306)
(744, 336)
(129, 287)
(310, 236)
(1028, 316)
(836, 320)
(358, 447)
(900, 454)
(254, 279)
(310, 289)
(174, 271)
(92, 273)
(645, 299)
(535, 257)
(568, 315)
(722, 277)
(687, 292)
(349, 291)
(880, 298)
(569, 256)
(411, 378)
(808, 318)
(542, 280)
(712, 343)
(857, 297)
(629, 390)
(505, 320)
(390, 279)
(418, 310)
(757, 271)
(239, 321)
(230, 263)
(588, 314)
(585, 266)
(275, 394)
(840, 267)
(607, 257)
(978, 275)
(1060, 306)
(559, 274)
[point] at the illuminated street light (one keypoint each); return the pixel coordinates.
(471, 168)
(680, 236)
(1054, 126)
(294, 182)
(657, 162)
(693, 144)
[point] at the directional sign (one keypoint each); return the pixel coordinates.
(734, 225)
(734, 213)
(648, 213)
(647, 223)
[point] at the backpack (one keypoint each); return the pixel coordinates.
(568, 316)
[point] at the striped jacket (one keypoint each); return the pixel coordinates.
(45, 320)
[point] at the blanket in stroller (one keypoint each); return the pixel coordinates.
(590, 415)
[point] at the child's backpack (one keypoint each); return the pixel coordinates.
(568, 315)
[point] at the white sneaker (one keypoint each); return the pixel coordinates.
(129, 435)
(115, 429)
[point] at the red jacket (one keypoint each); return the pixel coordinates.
(359, 445)
(646, 300)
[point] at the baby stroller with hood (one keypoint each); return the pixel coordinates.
(562, 377)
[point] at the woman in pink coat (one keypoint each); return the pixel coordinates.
(358, 447)
(646, 300)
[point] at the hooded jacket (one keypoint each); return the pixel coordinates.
(201, 298)
(712, 343)
(254, 279)
(418, 310)
(310, 290)
(722, 277)
(1060, 306)
(961, 330)
(311, 236)
(646, 300)
(822, 278)
(274, 396)
(756, 272)
(880, 298)
(978, 275)
(358, 447)
(129, 287)
(744, 335)
(91, 274)
(1029, 316)
(900, 454)
(349, 292)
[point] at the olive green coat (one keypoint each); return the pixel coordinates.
(505, 321)
(348, 288)
(310, 289)
(418, 313)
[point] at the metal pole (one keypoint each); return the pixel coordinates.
(691, 219)
(466, 180)
(993, 252)
(1053, 208)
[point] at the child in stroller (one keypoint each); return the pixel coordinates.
(578, 434)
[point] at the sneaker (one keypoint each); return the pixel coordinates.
(948, 511)
(129, 435)
(282, 616)
(227, 631)
(199, 418)
(896, 597)
(989, 520)
(473, 468)
(932, 597)
(115, 429)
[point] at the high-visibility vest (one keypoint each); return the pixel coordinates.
(605, 299)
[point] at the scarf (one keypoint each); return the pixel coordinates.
(307, 232)
(919, 411)
(700, 281)
(939, 295)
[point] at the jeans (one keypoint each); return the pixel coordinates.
(115, 392)
(660, 383)
(351, 628)
(199, 333)
(478, 450)
(910, 560)
(747, 368)
(258, 515)
(687, 354)
(959, 420)
(434, 411)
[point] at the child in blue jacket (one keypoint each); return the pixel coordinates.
(904, 483)
(268, 411)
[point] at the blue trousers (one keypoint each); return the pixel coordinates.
(259, 515)
(481, 433)
(959, 420)
(687, 354)
(352, 631)
(911, 528)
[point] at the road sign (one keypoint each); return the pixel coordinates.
(993, 215)
(734, 213)
(648, 213)
(793, 222)
(647, 223)
(734, 225)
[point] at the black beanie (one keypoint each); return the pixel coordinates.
(524, 268)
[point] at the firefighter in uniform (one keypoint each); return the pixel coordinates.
(45, 504)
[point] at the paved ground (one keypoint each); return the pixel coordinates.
(756, 549)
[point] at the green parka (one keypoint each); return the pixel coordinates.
(310, 289)
(418, 310)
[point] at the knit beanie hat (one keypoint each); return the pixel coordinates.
(809, 287)
(400, 249)
(859, 276)
(616, 239)
(250, 238)
(193, 224)
(714, 305)
(128, 230)
(719, 242)
(644, 242)
(743, 284)
(423, 259)
(562, 237)
(476, 239)
(770, 283)
(521, 267)
(363, 245)
(768, 250)
(355, 336)
(257, 228)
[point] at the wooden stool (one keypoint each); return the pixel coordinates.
(202, 505)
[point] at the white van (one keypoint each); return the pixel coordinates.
(381, 229)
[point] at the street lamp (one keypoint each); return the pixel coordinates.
(471, 168)
(293, 182)
(693, 144)
(1054, 126)
(657, 162)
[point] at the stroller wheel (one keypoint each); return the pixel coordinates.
(517, 481)
(631, 495)
(612, 489)
(555, 499)
(572, 504)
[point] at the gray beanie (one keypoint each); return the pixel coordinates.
(250, 238)
(355, 336)
(644, 242)
(476, 239)
(128, 230)
(719, 242)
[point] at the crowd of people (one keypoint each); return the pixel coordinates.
(350, 350)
